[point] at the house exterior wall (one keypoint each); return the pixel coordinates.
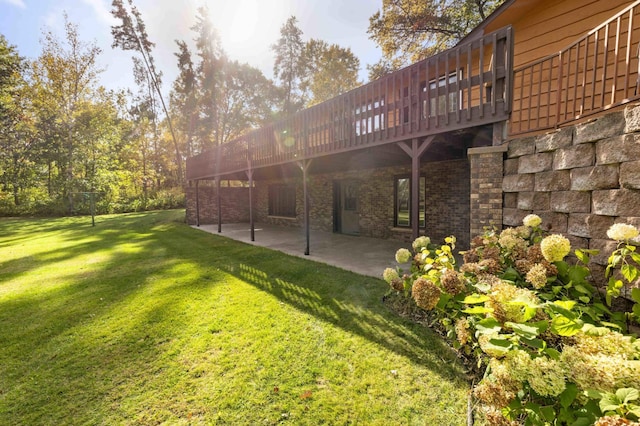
(544, 27)
(590, 71)
(580, 179)
(487, 166)
(447, 202)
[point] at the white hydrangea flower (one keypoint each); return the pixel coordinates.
(532, 220)
(555, 247)
(622, 232)
(420, 243)
(403, 255)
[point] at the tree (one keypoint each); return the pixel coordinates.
(244, 101)
(132, 35)
(208, 78)
(16, 135)
(329, 71)
(64, 78)
(183, 96)
(408, 30)
(218, 99)
(288, 67)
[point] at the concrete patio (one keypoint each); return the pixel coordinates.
(362, 255)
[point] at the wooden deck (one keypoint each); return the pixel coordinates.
(594, 74)
(467, 86)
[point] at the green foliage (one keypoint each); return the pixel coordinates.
(408, 31)
(552, 350)
(288, 67)
(329, 71)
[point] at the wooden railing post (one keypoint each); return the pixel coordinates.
(500, 67)
(559, 94)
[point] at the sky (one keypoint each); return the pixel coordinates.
(247, 29)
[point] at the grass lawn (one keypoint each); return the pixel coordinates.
(144, 320)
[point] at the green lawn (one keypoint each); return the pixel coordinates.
(144, 320)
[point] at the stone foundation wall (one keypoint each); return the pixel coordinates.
(579, 180)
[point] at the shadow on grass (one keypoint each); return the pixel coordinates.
(149, 246)
(348, 300)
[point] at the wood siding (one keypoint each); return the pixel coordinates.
(596, 72)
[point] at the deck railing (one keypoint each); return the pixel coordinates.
(596, 73)
(465, 86)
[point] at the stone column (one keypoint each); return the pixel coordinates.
(486, 165)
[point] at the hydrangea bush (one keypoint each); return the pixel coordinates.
(552, 350)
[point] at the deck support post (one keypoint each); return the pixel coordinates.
(197, 205)
(218, 204)
(250, 176)
(415, 151)
(304, 165)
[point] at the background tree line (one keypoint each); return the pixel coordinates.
(64, 136)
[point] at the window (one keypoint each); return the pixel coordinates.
(442, 99)
(402, 214)
(367, 122)
(282, 200)
(351, 196)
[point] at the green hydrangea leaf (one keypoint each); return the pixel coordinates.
(472, 299)
(510, 274)
(553, 353)
(593, 394)
(627, 394)
(563, 307)
(497, 345)
(548, 414)
(629, 272)
(564, 326)
(534, 343)
(635, 410)
(582, 421)
(477, 310)
(566, 304)
(523, 330)
(488, 326)
(592, 330)
(609, 402)
(568, 395)
(582, 288)
(483, 287)
(636, 311)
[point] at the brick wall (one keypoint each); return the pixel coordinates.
(486, 166)
(579, 180)
(234, 201)
(448, 193)
(447, 200)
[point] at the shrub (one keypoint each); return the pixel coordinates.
(550, 348)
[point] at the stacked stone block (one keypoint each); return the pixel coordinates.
(579, 180)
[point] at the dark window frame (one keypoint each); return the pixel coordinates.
(282, 200)
(422, 211)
